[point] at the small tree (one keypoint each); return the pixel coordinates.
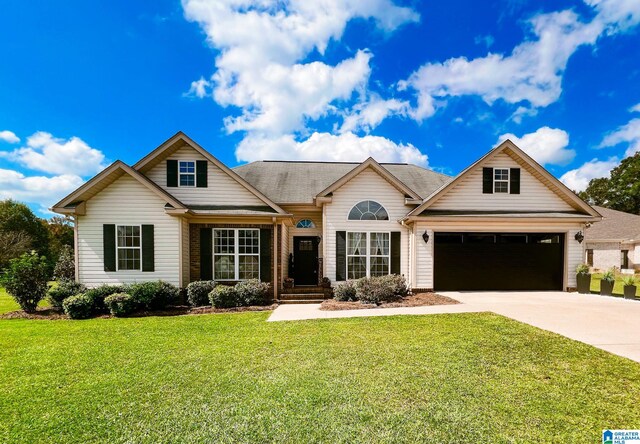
(65, 269)
(26, 280)
(12, 245)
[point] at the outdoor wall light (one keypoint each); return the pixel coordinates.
(425, 237)
(579, 237)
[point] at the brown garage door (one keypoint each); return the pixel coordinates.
(498, 261)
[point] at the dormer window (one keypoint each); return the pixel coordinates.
(187, 173)
(500, 180)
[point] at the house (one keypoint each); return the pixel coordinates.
(614, 242)
(181, 215)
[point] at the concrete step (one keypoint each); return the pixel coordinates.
(301, 290)
(301, 296)
(300, 301)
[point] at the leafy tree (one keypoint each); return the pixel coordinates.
(60, 235)
(619, 192)
(65, 269)
(12, 245)
(17, 217)
(26, 280)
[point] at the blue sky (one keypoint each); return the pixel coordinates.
(434, 83)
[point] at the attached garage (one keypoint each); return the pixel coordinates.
(498, 261)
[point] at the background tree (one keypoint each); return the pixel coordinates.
(25, 278)
(12, 245)
(16, 217)
(60, 235)
(621, 191)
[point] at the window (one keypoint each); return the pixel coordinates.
(624, 259)
(368, 210)
(368, 254)
(590, 257)
(236, 254)
(305, 223)
(129, 247)
(500, 180)
(187, 173)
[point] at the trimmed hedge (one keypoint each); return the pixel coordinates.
(345, 291)
(152, 295)
(224, 296)
(373, 290)
(56, 295)
(98, 295)
(198, 292)
(79, 306)
(251, 292)
(120, 304)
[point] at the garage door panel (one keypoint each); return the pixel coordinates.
(498, 265)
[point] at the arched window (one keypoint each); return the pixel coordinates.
(368, 210)
(305, 223)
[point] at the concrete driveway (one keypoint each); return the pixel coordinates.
(609, 323)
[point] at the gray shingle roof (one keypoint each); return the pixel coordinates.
(615, 225)
(299, 182)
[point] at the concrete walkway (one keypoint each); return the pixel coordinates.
(612, 324)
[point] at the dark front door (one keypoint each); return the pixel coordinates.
(498, 261)
(305, 260)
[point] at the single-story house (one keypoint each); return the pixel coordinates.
(613, 242)
(181, 215)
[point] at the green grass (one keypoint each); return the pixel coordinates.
(7, 303)
(617, 286)
(478, 378)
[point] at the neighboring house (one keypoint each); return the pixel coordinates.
(614, 242)
(181, 215)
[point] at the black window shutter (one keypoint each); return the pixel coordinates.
(201, 173)
(206, 254)
(265, 255)
(487, 180)
(514, 179)
(148, 243)
(172, 173)
(341, 255)
(395, 252)
(109, 246)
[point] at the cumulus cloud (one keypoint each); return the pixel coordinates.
(533, 72)
(40, 190)
(578, 179)
(199, 88)
(52, 155)
(546, 145)
(628, 134)
(365, 116)
(635, 108)
(346, 147)
(9, 136)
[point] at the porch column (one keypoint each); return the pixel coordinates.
(275, 260)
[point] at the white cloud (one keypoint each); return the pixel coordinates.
(40, 190)
(546, 145)
(578, 179)
(533, 71)
(262, 44)
(629, 134)
(635, 108)
(367, 115)
(324, 146)
(9, 136)
(198, 88)
(46, 153)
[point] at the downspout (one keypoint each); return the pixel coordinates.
(76, 259)
(275, 259)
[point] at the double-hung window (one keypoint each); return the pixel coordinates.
(187, 173)
(501, 180)
(368, 254)
(129, 247)
(236, 254)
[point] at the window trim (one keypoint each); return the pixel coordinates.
(368, 254)
(118, 248)
(507, 180)
(313, 224)
(236, 254)
(360, 220)
(187, 174)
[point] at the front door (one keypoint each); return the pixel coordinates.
(305, 260)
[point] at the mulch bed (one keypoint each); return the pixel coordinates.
(416, 300)
(50, 314)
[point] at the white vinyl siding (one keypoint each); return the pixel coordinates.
(368, 185)
(186, 251)
(127, 202)
(534, 195)
(221, 189)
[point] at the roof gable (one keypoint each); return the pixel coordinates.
(541, 175)
(177, 142)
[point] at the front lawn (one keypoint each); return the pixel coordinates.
(236, 378)
(7, 303)
(617, 286)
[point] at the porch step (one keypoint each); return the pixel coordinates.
(317, 297)
(302, 290)
(300, 301)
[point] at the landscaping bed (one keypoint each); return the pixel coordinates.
(416, 300)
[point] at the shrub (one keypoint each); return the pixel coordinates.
(62, 291)
(25, 278)
(251, 292)
(198, 292)
(609, 275)
(120, 304)
(326, 282)
(79, 306)
(98, 295)
(345, 291)
(223, 296)
(582, 269)
(628, 280)
(153, 295)
(396, 282)
(376, 290)
(65, 269)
